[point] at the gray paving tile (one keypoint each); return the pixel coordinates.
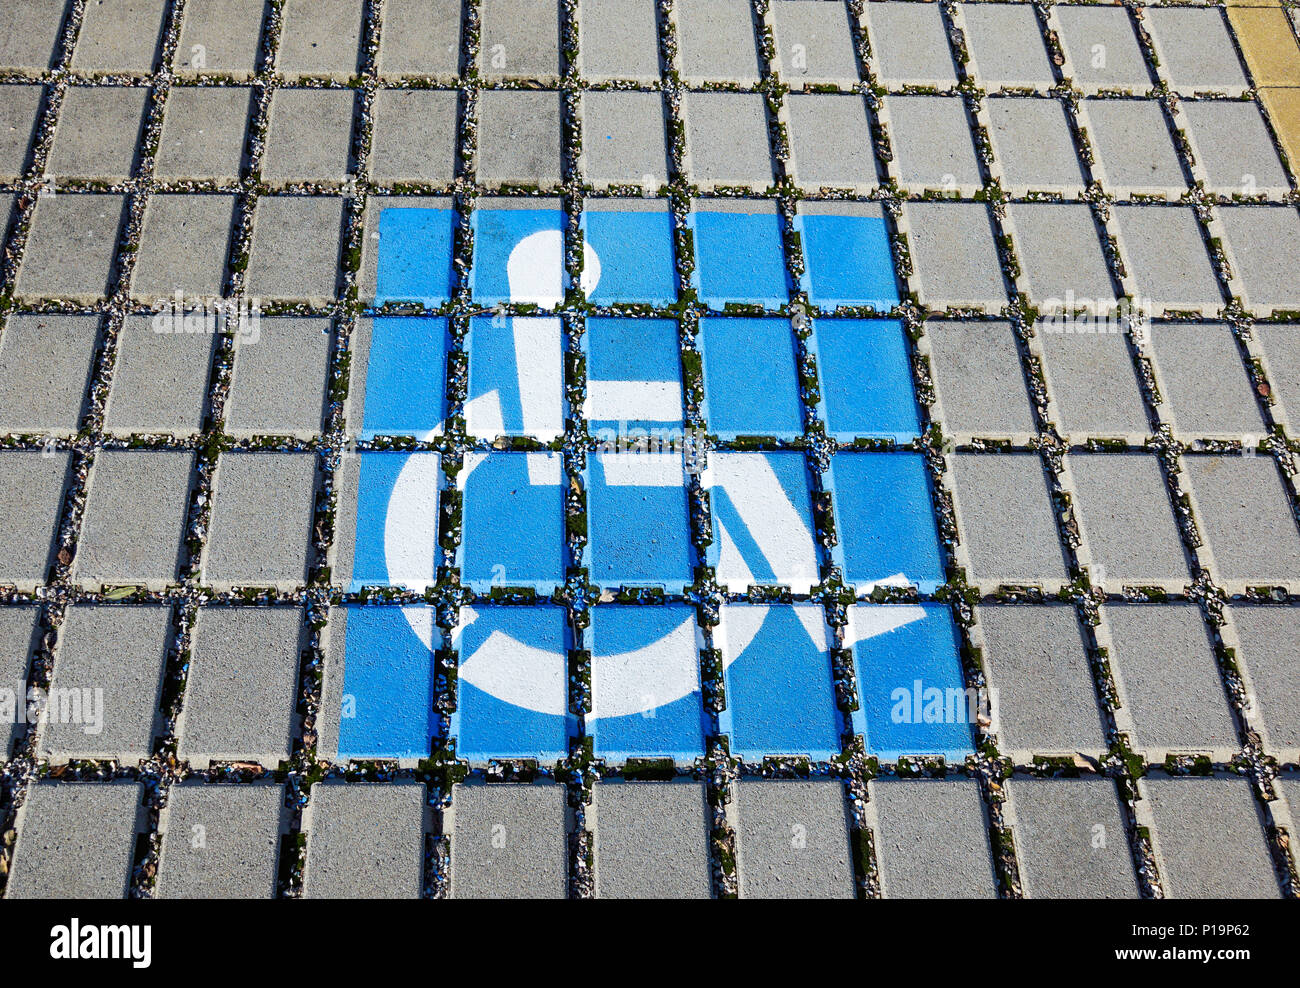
(931, 839)
(1208, 839)
(1279, 348)
(31, 486)
(420, 37)
(519, 138)
(119, 36)
(1262, 244)
(716, 42)
(652, 840)
(1127, 520)
(954, 256)
(1033, 147)
(726, 140)
(1204, 381)
(814, 44)
(1037, 663)
(792, 840)
(623, 139)
(1269, 640)
(1243, 512)
(1168, 679)
(1071, 839)
(280, 380)
(160, 381)
(1134, 152)
(931, 140)
(320, 38)
(1092, 383)
(20, 635)
(508, 842)
(260, 533)
(1006, 519)
(70, 247)
(1233, 148)
(75, 840)
(365, 841)
(618, 39)
(30, 34)
(20, 107)
(1101, 50)
(183, 246)
(219, 37)
(979, 383)
(1005, 44)
(520, 39)
(242, 686)
(1062, 265)
(310, 133)
(203, 133)
(1195, 50)
(134, 521)
(909, 45)
(220, 842)
(45, 367)
(295, 248)
(1164, 252)
(121, 722)
(830, 142)
(414, 136)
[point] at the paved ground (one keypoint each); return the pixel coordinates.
(705, 448)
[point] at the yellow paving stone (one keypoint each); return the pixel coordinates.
(1268, 43)
(1252, 3)
(1283, 106)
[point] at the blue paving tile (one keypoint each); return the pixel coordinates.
(885, 520)
(913, 697)
(645, 676)
(516, 377)
(866, 380)
(638, 520)
(847, 261)
(396, 533)
(388, 684)
(512, 521)
(634, 378)
(512, 684)
(518, 256)
(751, 383)
(780, 689)
(415, 254)
(635, 254)
(739, 259)
(406, 377)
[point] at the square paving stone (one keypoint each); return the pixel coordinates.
(1164, 252)
(415, 136)
(954, 255)
(1006, 519)
(1242, 510)
(365, 840)
(409, 240)
(420, 37)
(519, 138)
(909, 45)
(792, 840)
(499, 224)
(203, 133)
(1209, 838)
(320, 38)
(1128, 521)
(31, 485)
(1270, 639)
(931, 139)
(20, 107)
(739, 253)
(623, 490)
(1135, 154)
(122, 721)
(281, 379)
(135, 518)
(219, 37)
(119, 36)
(931, 839)
(30, 34)
(1233, 147)
(45, 367)
(1101, 50)
(220, 842)
(1168, 679)
(1262, 244)
(513, 520)
(295, 248)
(1071, 839)
(242, 686)
(652, 840)
(978, 377)
(1092, 382)
(765, 530)
(1195, 50)
(497, 405)
(76, 840)
(1204, 381)
(1279, 346)
(814, 44)
(261, 519)
(1005, 43)
(716, 42)
(623, 139)
(183, 246)
(751, 381)
(726, 140)
(160, 381)
(20, 636)
(848, 255)
(520, 39)
(1062, 263)
(1037, 664)
(618, 39)
(71, 246)
(1033, 146)
(508, 842)
(399, 377)
(830, 142)
(634, 241)
(634, 376)
(866, 378)
(310, 136)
